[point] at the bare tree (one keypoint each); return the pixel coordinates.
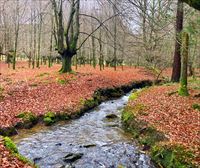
(68, 49)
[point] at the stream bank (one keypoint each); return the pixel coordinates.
(164, 130)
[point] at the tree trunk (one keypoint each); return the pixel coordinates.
(177, 54)
(66, 62)
(183, 91)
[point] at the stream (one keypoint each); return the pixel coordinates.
(96, 140)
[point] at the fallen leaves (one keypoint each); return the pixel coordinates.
(173, 115)
(7, 160)
(42, 90)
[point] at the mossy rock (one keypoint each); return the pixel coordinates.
(28, 119)
(50, 118)
(172, 156)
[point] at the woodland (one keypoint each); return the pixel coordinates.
(60, 59)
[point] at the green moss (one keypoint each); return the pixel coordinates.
(63, 116)
(24, 159)
(183, 91)
(27, 118)
(134, 96)
(9, 144)
(169, 156)
(48, 121)
(196, 106)
(127, 114)
(49, 118)
(90, 103)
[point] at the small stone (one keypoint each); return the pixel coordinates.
(58, 144)
(35, 160)
(112, 125)
(72, 157)
(111, 116)
(89, 145)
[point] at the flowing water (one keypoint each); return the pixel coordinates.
(92, 141)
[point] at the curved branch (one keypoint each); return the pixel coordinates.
(101, 24)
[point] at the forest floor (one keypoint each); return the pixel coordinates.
(176, 116)
(41, 90)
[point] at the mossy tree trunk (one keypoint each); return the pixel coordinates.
(183, 91)
(177, 53)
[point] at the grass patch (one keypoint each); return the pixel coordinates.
(172, 156)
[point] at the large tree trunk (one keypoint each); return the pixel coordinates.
(177, 54)
(183, 91)
(66, 62)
